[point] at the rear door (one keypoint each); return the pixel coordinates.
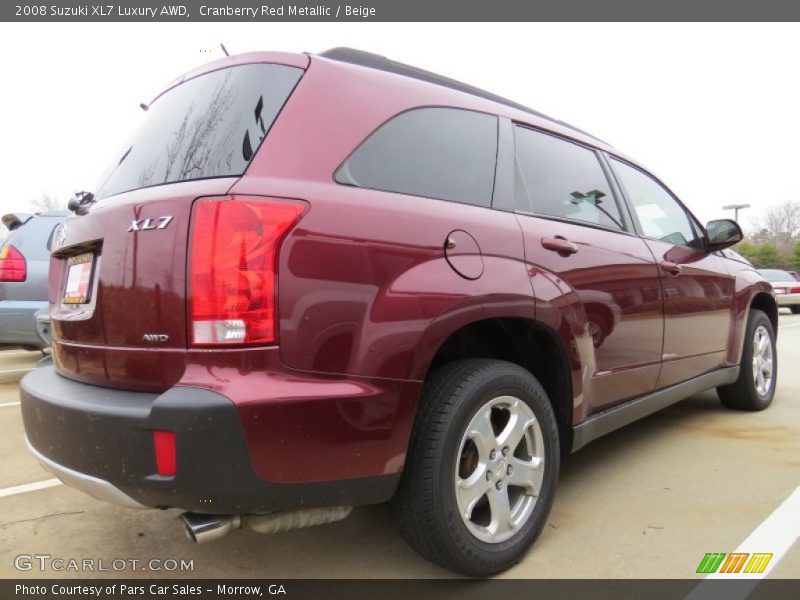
(575, 231)
(697, 288)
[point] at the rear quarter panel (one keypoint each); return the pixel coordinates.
(364, 286)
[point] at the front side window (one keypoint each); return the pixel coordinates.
(558, 178)
(660, 215)
(443, 153)
(209, 126)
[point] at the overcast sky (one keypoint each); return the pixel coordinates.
(712, 109)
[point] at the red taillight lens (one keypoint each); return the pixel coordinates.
(795, 290)
(164, 449)
(12, 265)
(234, 245)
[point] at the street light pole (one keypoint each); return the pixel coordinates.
(735, 208)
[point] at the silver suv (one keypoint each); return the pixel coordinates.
(24, 262)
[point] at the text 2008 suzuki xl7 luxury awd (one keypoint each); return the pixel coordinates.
(313, 282)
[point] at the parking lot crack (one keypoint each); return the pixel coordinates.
(37, 520)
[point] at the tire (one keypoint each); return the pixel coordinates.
(749, 392)
(795, 308)
(442, 453)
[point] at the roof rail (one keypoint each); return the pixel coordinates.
(381, 63)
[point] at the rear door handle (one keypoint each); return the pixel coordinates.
(670, 267)
(559, 244)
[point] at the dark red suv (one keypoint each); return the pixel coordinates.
(313, 282)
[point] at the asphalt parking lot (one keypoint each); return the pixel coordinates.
(648, 501)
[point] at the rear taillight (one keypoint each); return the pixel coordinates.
(234, 246)
(795, 290)
(12, 265)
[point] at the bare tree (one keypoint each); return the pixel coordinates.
(782, 221)
(195, 144)
(47, 202)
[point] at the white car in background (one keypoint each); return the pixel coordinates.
(787, 288)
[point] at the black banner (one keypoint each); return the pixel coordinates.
(401, 10)
(349, 589)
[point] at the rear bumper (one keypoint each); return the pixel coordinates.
(17, 322)
(97, 488)
(99, 440)
(42, 324)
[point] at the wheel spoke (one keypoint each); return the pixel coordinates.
(526, 474)
(482, 434)
(767, 367)
(501, 512)
(762, 343)
(515, 429)
(470, 490)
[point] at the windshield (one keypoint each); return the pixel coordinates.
(209, 126)
(776, 275)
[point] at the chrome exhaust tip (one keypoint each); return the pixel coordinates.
(207, 528)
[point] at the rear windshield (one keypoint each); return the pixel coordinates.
(209, 126)
(34, 237)
(776, 275)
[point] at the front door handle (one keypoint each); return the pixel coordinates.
(670, 267)
(559, 244)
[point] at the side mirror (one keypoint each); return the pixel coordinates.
(722, 234)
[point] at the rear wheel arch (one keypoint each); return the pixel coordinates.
(525, 342)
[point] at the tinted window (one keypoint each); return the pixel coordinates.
(660, 215)
(440, 153)
(558, 178)
(209, 126)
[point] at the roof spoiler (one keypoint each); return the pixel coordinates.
(16, 220)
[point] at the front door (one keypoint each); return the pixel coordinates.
(697, 289)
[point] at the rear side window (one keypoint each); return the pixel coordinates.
(443, 153)
(561, 179)
(209, 126)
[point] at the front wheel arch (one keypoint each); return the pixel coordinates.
(764, 302)
(744, 393)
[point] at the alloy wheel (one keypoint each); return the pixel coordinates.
(499, 469)
(762, 360)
